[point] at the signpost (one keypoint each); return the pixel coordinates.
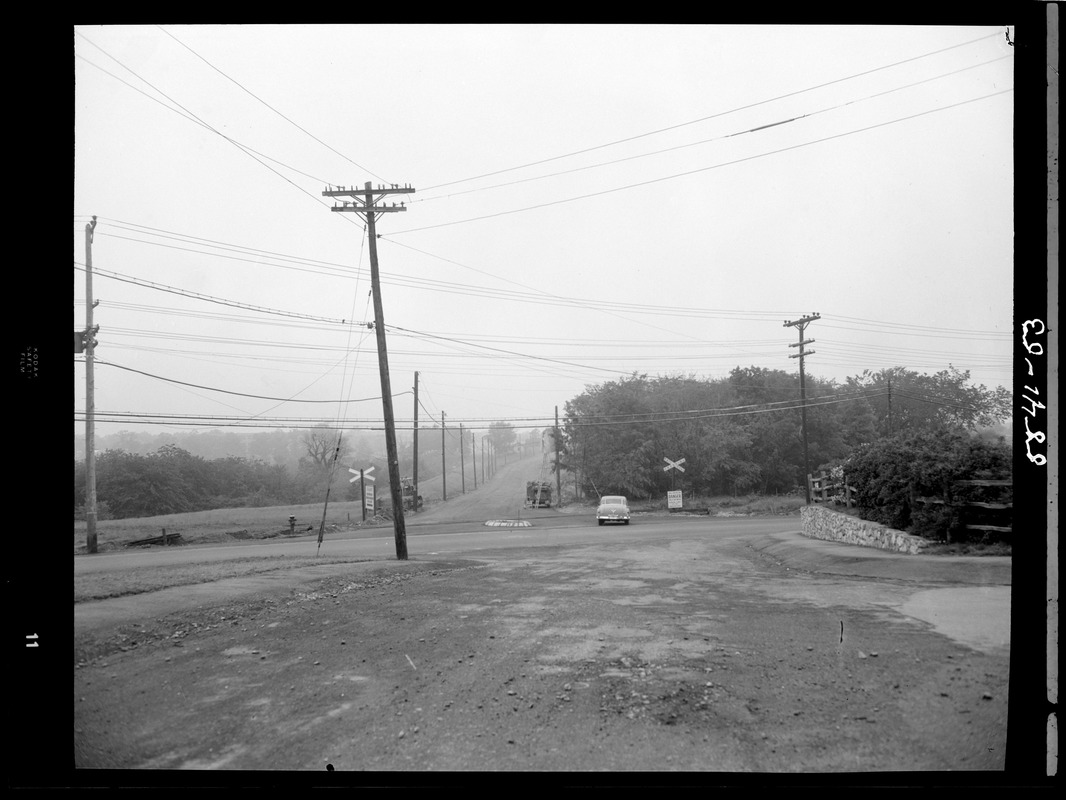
(673, 498)
(363, 475)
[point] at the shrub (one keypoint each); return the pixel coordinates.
(890, 477)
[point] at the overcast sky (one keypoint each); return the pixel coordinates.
(590, 201)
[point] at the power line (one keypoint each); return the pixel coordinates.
(713, 116)
(702, 169)
(238, 394)
(374, 425)
(210, 298)
(194, 120)
(718, 138)
(245, 89)
(524, 296)
(193, 116)
(190, 115)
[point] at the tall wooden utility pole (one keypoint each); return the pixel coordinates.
(365, 202)
(558, 466)
(90, 401)
(473, 457)
(415, 473)
(801, 324)
(443, 463)
(462, 458)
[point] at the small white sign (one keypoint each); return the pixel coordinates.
(369, 498)
(673, 499)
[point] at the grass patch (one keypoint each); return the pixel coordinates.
(967, 549)
(120, 583)
(223, 525)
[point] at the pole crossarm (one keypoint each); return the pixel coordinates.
(366, 200)
(802, 323)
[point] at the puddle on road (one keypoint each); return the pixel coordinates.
(978, 617)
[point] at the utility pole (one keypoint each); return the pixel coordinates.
(482, 459)
(90, 402)
(443, 463)
(801, 324)
(362, 492)
(889, 405)
(462, 458)
(366, 203)
(558, 470)
(473, 456)
(415, 468)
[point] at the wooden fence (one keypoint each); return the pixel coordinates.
(975, 514)
(981, 505)
(825, 490)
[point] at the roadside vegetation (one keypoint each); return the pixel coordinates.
(899, 439)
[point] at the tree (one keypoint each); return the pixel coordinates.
(903, 401)
(613, 418)
(503, 438)
(322, 442)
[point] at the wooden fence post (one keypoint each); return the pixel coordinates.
(950, 507)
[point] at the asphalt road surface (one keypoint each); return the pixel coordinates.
(689, 644)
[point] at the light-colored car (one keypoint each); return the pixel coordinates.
(613, 508)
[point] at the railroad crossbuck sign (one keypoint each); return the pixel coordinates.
(365, 472)
(673, 464)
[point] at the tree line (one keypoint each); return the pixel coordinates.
(141, 475)
(743, 434)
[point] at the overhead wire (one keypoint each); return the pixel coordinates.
(261, 100)
(687, 173)
(716, 115)
(473, 423)
(100, 362)
(720, 137)
(190, 115)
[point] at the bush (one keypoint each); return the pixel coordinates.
(935, 522)
(892, 475)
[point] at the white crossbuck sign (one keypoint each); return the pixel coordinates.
(673, 464)
(366, 474)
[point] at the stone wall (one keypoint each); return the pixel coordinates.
(822, 523)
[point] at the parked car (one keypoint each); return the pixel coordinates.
(613, 508)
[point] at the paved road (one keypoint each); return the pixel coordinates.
(961, 586)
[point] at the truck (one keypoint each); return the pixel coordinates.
(410, 501)
(407, 492)
(538, 494)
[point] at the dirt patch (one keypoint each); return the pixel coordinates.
(691, 656)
